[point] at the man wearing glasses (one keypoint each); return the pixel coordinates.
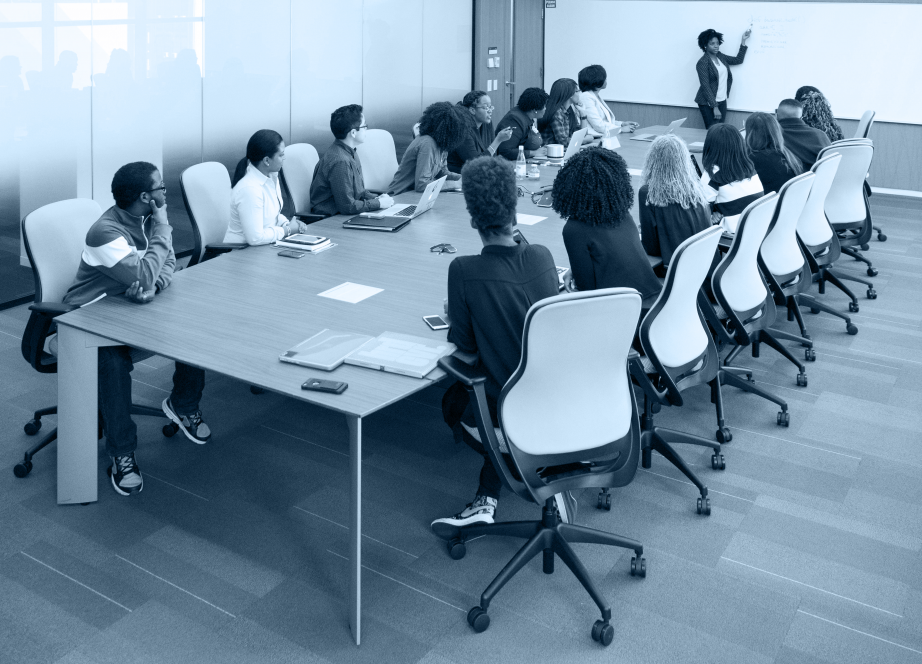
(129, 251)
(481, 139)
(338, 186)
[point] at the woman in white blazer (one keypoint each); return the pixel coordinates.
(598, 116)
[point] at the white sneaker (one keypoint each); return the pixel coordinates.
(482, 510)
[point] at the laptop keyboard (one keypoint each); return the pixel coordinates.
(406, 212)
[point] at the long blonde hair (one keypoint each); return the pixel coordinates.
(670, 176)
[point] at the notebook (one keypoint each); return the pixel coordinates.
(325, 350)
(675, 124)
(426, 201)
(309, 243)
(403, 354)
(387, 224)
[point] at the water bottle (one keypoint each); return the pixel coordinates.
(520, 166)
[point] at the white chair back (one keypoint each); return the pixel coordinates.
(206, 191)
(741, 282)
(300, 160)
(845, 200)
(780, 250)
(55, 235)
(571, 391)
(378, 156)
(812, 226)
(865, 124)
(677, 335)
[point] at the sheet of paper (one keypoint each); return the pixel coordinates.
(635, 171)
(527, 219)
(350, 292)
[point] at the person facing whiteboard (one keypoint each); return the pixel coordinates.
(598, 115)
(714, 75)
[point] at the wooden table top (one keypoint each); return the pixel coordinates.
(237, 313)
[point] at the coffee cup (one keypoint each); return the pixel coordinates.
(554, 150)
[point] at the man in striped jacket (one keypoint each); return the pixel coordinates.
(129, 251)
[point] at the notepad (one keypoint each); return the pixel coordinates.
(350, 292)
(527, 219)
(403, 354)
(635, 171)
(325, 350)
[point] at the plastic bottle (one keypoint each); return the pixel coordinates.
(520, 167)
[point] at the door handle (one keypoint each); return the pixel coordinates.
(510, 82)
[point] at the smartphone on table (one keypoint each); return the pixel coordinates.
(291, 253)
(436, 322)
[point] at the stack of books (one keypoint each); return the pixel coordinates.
(311, 244)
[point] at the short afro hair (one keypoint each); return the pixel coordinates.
(490, 194)
(707, 36)
(532, 99)
(594, 188)
(344, 119)
(132, 180)
(445, 123)
(592, 78)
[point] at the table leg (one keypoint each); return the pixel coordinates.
(355, 528)
(77, 417)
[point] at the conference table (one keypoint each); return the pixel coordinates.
(236, 314)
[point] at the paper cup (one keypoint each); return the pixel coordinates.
(554, 150)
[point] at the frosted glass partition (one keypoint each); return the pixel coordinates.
(447, 50)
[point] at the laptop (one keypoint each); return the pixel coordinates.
(576, 142)
(426, 201)
(669, 130)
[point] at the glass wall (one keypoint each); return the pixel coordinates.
(88, 86)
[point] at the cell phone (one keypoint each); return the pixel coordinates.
(436, 322)
(547, 199)
(321, 385)
(518, 236)
(291, 253)
(306, 240)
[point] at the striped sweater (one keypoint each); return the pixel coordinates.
(121, 249)
(732, 198)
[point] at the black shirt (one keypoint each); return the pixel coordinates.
(663, 229)
(338, 186)
(804, 141)
(476, 143)
(488, 297)
(772, 168)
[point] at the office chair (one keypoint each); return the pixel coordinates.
(864, 128)
(54, 236)
(679, 353)
(378, 156)
(745, 309)
(297, 175)
(569, 421)
(206, 193)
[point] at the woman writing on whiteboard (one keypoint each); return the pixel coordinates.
(714, 75)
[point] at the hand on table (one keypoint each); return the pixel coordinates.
(386, 201)
(135, 294)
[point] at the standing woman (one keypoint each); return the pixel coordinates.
(714, 75)
(599, 116)
(563, 115)
(481, 139)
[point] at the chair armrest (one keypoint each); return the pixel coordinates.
(224, 247)
(52, 309)
(310, 218)
(461, 371)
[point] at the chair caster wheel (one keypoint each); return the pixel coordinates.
(881, 237)
(478, 619)
(784, 418)
(814, 310)
(704, 506)
(456, 548)
(872, 271)
(851, 329)
(32, 427)
(639, 567)
(717, 462)
(853, 307)
(872, 294)
(604, 502)
(724, 435)
(810, 355)
(603, 632)
(22, 469)
(169, 430)
(801, 380)
(865, 247)
(655, 408)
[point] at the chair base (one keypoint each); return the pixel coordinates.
(661, 440)
(733, 376)
(551, 538)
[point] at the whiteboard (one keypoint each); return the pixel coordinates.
(862, 56)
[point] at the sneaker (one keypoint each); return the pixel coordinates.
(125, 475)
(192, 425)
(482, 510)
(566, 506)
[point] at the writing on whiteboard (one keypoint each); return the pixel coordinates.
(771, 33)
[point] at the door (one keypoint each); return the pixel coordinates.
(493, 52)
(527, 47)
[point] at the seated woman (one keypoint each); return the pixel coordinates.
(818, 113)
(523, 119)
(593, 193)
(598, 115)
(481, 140)
(563, 114)
(256, 200)
(672, 201)
(774, 163)
(441, 130)
(730, 179)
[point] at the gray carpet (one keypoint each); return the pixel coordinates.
(234, 552)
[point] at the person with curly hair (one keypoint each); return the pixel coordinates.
(593, 193)
(730, 180)
(774, 162)
(523, 119)
(488, 297)
(714, 77)
(671, 201)
(481, 140)
(818, 112)
(441, 130)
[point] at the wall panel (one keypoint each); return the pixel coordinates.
(447, 45)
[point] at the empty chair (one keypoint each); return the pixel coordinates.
(864, 128)
(569, 421)
(378, 156)
(206, 193)
(54, 238)
(297, 175)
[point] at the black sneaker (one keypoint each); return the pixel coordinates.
(482, 510)
(125, 475)
(566, 506)
(192, 425)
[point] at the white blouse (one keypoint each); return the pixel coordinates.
(598, 114)
(256, 209)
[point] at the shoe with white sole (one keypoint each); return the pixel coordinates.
(482, 510)
(192, 425)
(125, 475)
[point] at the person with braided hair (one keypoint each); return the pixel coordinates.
(818, 112)
(593, 193)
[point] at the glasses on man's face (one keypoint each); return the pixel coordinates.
(360, 127)
(162, 188)
(443, 248)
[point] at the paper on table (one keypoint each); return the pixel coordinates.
(527, 219)
(634, 171)
(350, 292)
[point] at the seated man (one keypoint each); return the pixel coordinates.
(523, 118)
(338, 186)
(804, 141)
(114, 263)
(488, 297)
